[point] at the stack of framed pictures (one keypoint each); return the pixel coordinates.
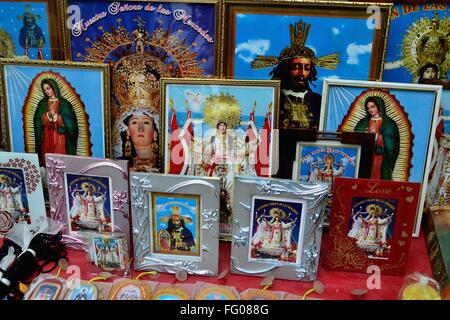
(404, 119)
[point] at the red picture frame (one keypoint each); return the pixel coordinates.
(372, 222)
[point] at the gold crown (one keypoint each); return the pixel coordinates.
(136, 73)
(373, 207)
(169, 43)
(298, 34)
(222, 107)
(176, 214)
(86, 186)
(7, 47)
(4, 178)
(427, 42)
(277, 212)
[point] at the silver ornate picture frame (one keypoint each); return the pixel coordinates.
(160, 204)
(277, 228)
(87, 194)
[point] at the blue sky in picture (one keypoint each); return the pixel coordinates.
(268, 34)
(188, 208)
(197, 95)
(446, 106)
(398, 29)
(87, 83)
(417, 104)
(11, 22)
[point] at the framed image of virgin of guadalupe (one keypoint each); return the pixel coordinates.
(142, 42)
(55, 107)
(302, 44)
(403, 118)
(28, 29)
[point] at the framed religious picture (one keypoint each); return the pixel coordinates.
(109, 251)
(176, 223)
(46, 287)
(55, 107)
(83, 291)
(323, 161)
(28, 29)
(304, 45)
(143, 42)
(22, 198)
(418, 47)
(88, 195)
(403, 118)
(127, 289)
(277, 228)
(371, 224)
(445, 103)
(219, 128)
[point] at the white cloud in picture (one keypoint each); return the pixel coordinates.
(248, 50)
(335, 31)
(354, 50)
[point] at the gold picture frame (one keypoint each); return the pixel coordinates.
(245, 105)
(307, 8)
(54, 15)
(90, 102)
(143, 42)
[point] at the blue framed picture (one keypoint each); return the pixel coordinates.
(302, 45)
(323, 161)
(82, 292)
(275, 229)
(28, 29)
(176, 224)
(403, 118)
(21, 194)
(89, 203)
(143, 42)
(418, 45)
(418, 49)
(371, 224)
(55, 107)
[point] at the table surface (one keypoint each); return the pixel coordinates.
(338, 285)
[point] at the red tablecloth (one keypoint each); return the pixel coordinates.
(338, 285)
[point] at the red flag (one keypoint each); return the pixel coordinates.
(250, 133)
(40, 54)
(263, 151)
(176, 149)
(25, 52)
